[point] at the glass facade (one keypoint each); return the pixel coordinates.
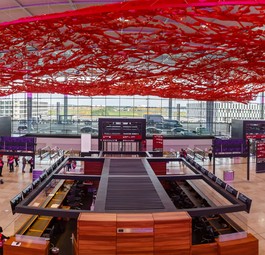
(72, 115)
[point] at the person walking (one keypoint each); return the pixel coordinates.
(182, 154)
(68, 165)
(31, 163)
(1, 166)
(2, 240)
(73, 164)
(10, 161)
(16, 158)
(24, 162)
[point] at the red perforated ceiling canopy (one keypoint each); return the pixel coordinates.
(200, 50)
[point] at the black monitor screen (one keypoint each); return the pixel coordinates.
(49, 171)
(36, 183)
(231, 190)
(221, 183)
(197, 165)
(245, 200)
(15, 201)
(55, 165)
(43, 176)
(27, 190)
(212, 176)
(203, 170)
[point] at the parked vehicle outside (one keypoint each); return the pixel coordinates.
(187, 132)
(202, 131)
(153, 130)
(88, 129)
(177, 131)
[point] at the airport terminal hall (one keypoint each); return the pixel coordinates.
(132, 127)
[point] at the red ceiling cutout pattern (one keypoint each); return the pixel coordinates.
(198, 50)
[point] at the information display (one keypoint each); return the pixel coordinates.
(17, 143)
(260, 156)
(230, 146)
(121, 134)
(121, 137)
(255, 130)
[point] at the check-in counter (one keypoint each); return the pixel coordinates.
(21, 245)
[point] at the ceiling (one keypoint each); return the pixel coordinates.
(201, 49)
(16, 9)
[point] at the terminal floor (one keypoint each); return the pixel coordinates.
(254, 222)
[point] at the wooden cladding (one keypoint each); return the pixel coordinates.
(135, 234)
(25, 247)
(203, 249)
(166, 233)
(248, 245)
(172, 233)
(96, 234)
(139, 234)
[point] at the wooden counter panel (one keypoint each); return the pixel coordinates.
(168, 217)
(171, 252)
(149, 234)
(87, 218)
(96, 234)
(135, 234)
(97, 224)
(202, 249)
(131, 245)
(26, 248)
(98, 247)
(172, 233)
(249, 246)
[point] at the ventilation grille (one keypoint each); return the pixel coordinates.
(126, 167)
(132, 193)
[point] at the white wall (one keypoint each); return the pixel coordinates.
(63, 143)
(75, 143)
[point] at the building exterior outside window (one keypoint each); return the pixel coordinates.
(48, 113)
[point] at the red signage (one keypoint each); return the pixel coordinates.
(121, 137)
(260, 151)
(255, 136)
(260, 157)
(158, 143)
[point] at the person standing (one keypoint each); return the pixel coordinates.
(31, 163)
(2, 240)
(24, 162)
(73, 164)
(10, 161)
(68, 165)
(1, 166)
(182, 154)
(16, 158)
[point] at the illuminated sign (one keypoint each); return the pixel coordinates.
(121, 137)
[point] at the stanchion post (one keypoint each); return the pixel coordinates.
(248, 159)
